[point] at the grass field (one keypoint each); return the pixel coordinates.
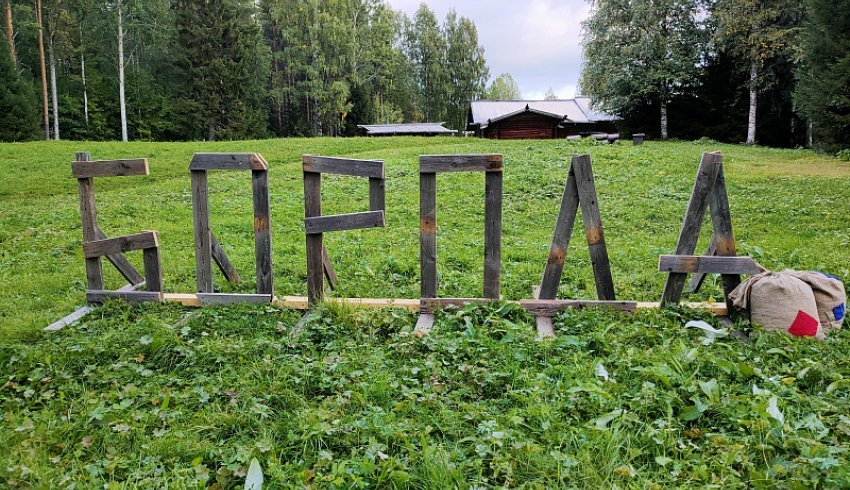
(128, 399)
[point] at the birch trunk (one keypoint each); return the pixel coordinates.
(10, 33)
(83, 74)
(663, 119)
(53, 92)
(751, 121)
(44, 103)
(122, 101)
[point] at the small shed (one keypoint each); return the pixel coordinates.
(408, 129)
(537, 119)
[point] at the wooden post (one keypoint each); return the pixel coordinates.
(88, 213)
(689, 235)
(201, 216)
(723, 238)
(262, 232)
(428, 234)
(153, 271)
(560, 239)
(593, 227)
(377, 194)
(315, 245)
(492, 234)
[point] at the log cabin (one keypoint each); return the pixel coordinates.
(537, 119)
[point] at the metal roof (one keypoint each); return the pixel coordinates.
(410, 128)
(571, 110)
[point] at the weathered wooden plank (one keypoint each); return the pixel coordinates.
(724, 238)
(589, 202)
(201, 217)
(698, 278)
(545, 328)
(222, 261)
(552, 307)
(343, 166)
(153, 270)
(689, 234)
(127, 243)
(560, 239)
(109, 168)
(424, 324)
(303, 303)
(262, 232)
(121, 263)
(228, 161)
(315, 265)
(231, 299)
(88, 215)
(81, 312)
(377, 195)
(428, 235)
(340, 222)
(330, 273)
(708, 264)
(190, 300)
(459, 163)
(430, 305)
(100, 296)
(492, 234)
(718, 309)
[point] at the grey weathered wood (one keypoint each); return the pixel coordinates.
(221, 259)
(424, 324)
(121, 263)
(201, 217)
(230, 299)
(109, 168)
(377, 195)
(315, 265)
(88, 215)
(81, 312)
(724, 238)
(262, 232)
(460, 163)
(99, 296)
(430, 305)
(492, 234)
(153, 269)
(708, 264)
(698, 278)
(339, 222)
(330, 273)
(692, 223)
(552, 307)
(560, 239)
(638, 138)
(592, 218)
(343, 166)
(228, 161)
(428, 234)
(545, 328)
(127, 243)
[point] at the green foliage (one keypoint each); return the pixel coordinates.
(18, 117)
(504, 87)
(823, 92)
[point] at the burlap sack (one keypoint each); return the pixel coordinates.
(830, 296)
(780, 302)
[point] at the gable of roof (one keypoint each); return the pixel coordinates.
(485, 112)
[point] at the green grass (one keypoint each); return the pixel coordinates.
(133, 397)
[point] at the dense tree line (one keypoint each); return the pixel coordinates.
(226, 69)
(768, 71)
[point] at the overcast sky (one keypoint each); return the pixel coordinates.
(536, 41)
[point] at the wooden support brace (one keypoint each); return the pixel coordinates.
(330, 273)
(128, 243)
(340, 222)
(698, 278)
(221, 259)
(121, 263)
(707, 264)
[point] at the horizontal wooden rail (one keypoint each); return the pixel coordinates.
(706, 264)
(429, 164)
(229, 299)
(100, 296)
(109, 168)
(228, 161)
(343, 166)
(552, 307)
(121, 244)
(339, 222)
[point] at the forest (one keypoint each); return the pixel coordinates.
(774, 72)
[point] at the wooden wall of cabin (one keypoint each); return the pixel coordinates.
(527, 125)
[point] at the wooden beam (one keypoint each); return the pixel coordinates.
(343, 166)
(430, 305)
(560, 239)
(327, 265)
(127, 243)
(121, 263)
(207, 299)
(552, 307)
(81, 312)
(592, 218)
(315, 245)
(459, 163)
(424, 324)
(492, 234)
(83, 169)
(153, 270)
(88, 216)
(100, 296)
(724, 238)
(698, 278)
(708, 264)
(340, 222)
(228, 161)
(377, 195)
(221, 259)
(201, 218)
(428, 235)
(262, 232)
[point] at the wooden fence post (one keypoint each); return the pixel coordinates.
(88, 213)
(201, 216)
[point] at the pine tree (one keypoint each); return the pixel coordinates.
(18, 116)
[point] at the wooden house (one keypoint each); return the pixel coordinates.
(537, 119)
